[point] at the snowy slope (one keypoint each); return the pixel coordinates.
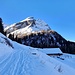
(5, 48)
(27, 26)
(25, 60)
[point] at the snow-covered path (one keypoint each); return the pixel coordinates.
(14, 63)
(25, 62)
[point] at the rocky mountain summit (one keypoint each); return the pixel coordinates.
(37, 33)
(29, 25)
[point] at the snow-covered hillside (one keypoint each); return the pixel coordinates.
(27, 26)
(25, 60)
(5, 45)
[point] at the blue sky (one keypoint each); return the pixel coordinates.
(59, 14)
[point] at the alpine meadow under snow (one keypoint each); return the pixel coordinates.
(18, 59)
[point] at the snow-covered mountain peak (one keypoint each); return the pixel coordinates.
(28, 25)
(28, 18)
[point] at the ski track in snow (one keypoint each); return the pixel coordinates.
(19, 64)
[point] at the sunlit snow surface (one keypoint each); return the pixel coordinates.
(22, 28)
(25, 60)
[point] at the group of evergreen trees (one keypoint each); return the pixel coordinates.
(45, 40)
(14, 38)
(39, 39)
(1, 27)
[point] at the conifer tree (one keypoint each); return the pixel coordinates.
(1, 27)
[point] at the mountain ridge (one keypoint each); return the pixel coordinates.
(37, 33)
(29, 25)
